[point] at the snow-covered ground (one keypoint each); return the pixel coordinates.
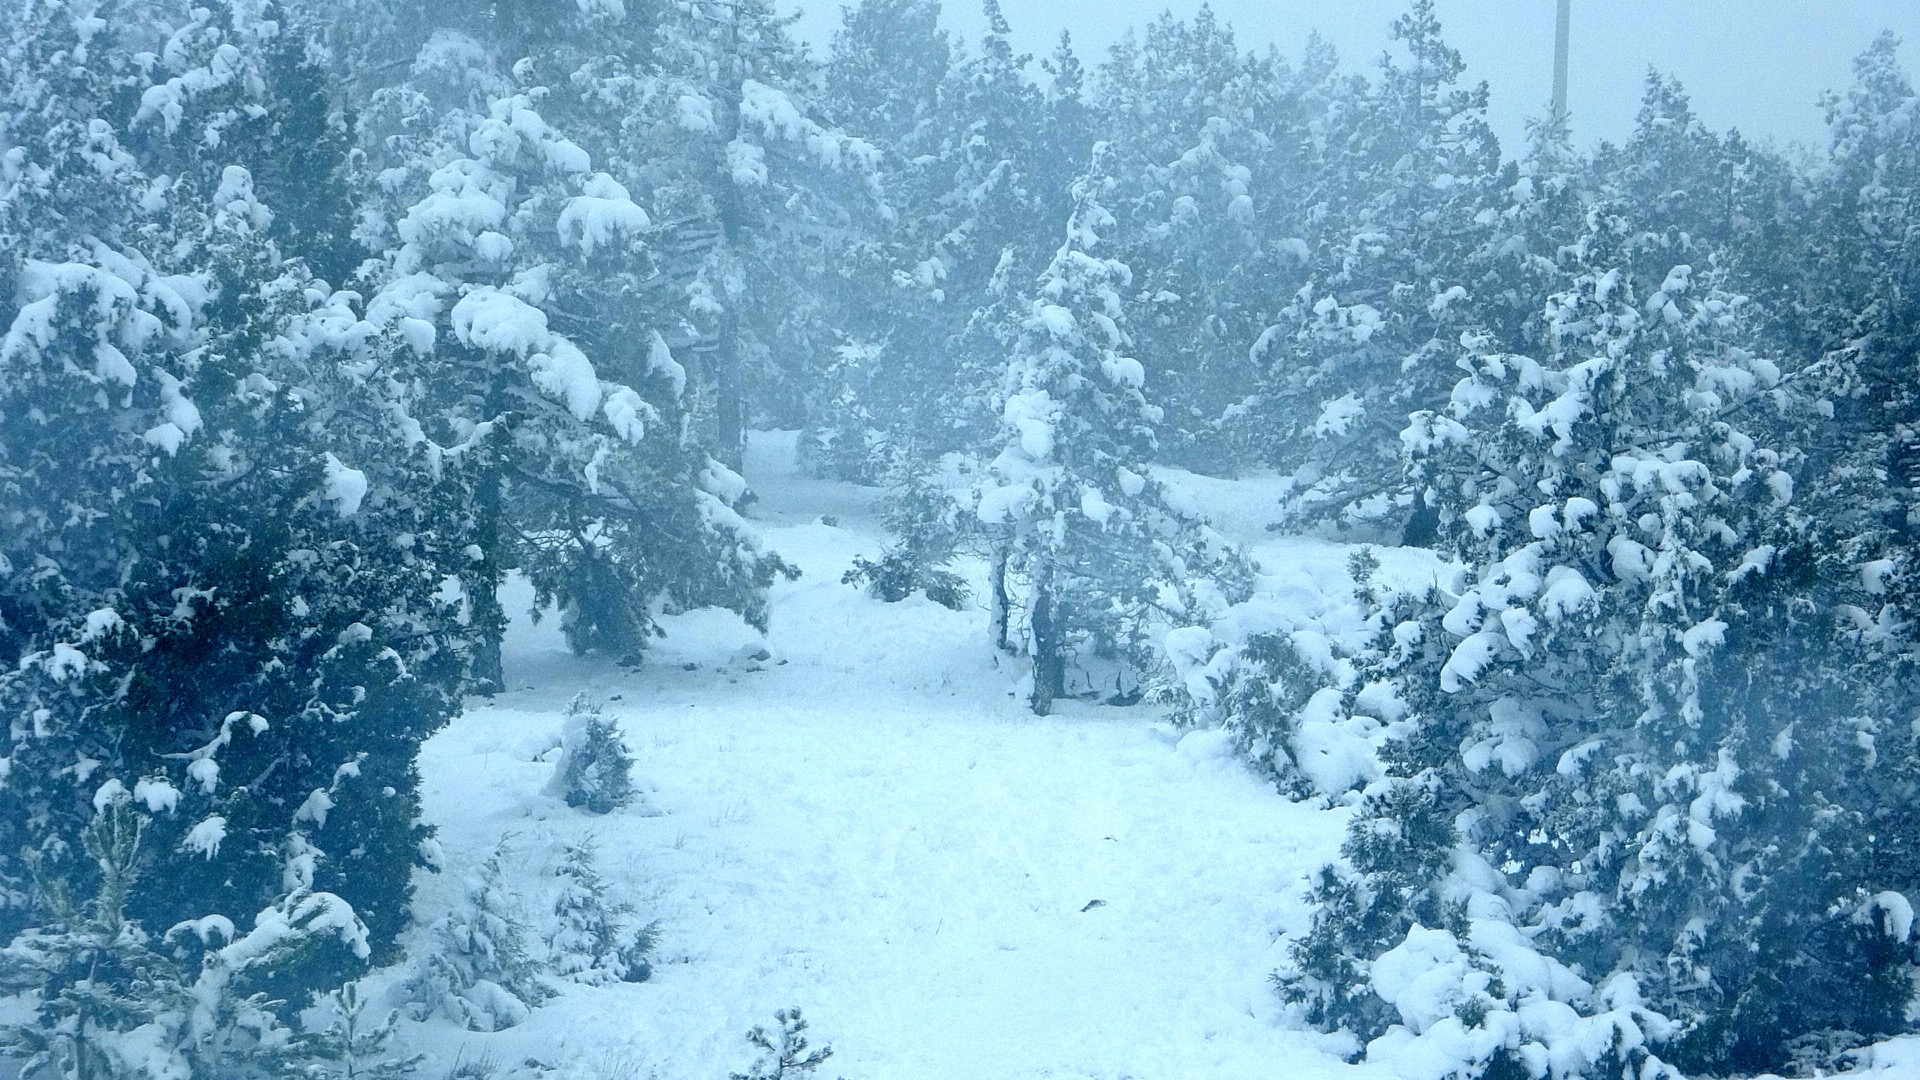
(872, 827)
(869, 825)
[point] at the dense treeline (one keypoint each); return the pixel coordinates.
(323, 318)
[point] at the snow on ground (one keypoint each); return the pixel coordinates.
(870, 825)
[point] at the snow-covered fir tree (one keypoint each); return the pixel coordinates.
(478, 967)
(1089, 556)
(759, 193)
(594, 942)
(1398, 207)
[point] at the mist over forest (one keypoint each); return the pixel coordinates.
(582, 539)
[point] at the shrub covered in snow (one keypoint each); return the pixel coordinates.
(595, 769)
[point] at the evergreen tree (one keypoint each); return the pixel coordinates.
(790, 1056)
(517, 309)
(885, 76)
(110, 1002)
(479, 970)
(220, 621)
(593, 943)
(764, 194)
(1089, 556)
(352, 1045)
(1603, 753)
(1365, 341)
(1206, 206)
(595, 768)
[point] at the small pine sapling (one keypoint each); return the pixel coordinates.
(479, 971)
(353, 1045)
(593, 944)
(95, 975)
(110, 1004)
(595, 770)
(929, 529)
(1363, 566)
(785, 1054)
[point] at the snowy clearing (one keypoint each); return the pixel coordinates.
(871, 826)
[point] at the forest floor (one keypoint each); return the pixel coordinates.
(870, 826)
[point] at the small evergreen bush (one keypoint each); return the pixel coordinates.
(352, 1045)
(593, 943)
(594, 772)
(479, 971)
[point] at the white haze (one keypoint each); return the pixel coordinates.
(1758, 65)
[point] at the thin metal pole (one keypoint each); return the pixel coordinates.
(1560, 60)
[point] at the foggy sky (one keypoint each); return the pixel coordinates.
(1759, 65)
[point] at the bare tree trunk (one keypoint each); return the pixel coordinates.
(729, 406)
(729, 409)
(997, 599)
(1049, 665)
(486, 618)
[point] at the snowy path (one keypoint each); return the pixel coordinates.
(875, 831)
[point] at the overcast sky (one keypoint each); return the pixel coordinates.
(1759, 65)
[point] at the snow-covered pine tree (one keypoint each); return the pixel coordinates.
(1288, 696)
(353, 1044)
(758, 198)
(1856, 317)
(96, 974)
(308, 169)
(478, 969)
(785, 1054)
(912, 400)
(1602, 752)
(520, 306)
(1397, 207)
(994, 214)
(593, 942)
(220, 622)
(1206, 218)
(109, 1001)
(1089, 558)
(883, 77)
(883, 70)
(926, 513)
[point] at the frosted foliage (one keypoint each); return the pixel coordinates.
(602, 217)
(1480, 580)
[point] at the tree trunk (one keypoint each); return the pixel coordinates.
(486, 618)
(729, 405)
(997, 600)
(729, 409)
(1049, 666)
